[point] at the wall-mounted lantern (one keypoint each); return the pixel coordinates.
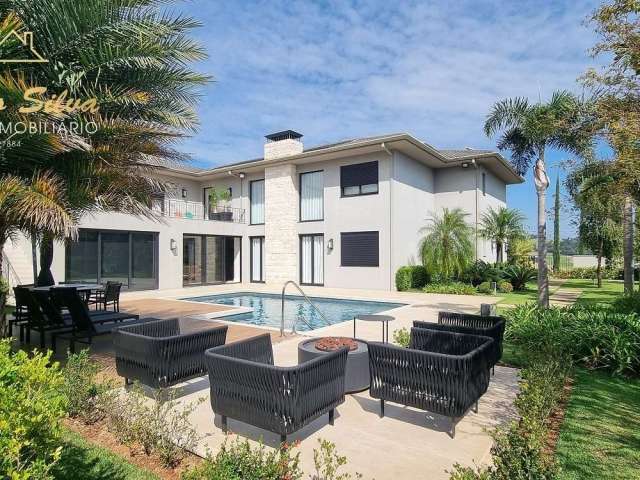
(330, 245)
(184, 193)
(173, 245)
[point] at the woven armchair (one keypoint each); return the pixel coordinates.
(159, 354)
(246, 386)
(441, 372)
(488, 326)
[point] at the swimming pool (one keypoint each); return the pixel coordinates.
(267, 309)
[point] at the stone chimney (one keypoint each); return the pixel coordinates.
(282, 144)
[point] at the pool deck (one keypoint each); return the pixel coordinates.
(406, 443)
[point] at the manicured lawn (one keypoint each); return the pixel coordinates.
(610, 290)
(83, 461)
(530, 294)
(600, 436)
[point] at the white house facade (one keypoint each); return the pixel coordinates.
(343, 215)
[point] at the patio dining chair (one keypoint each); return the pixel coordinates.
(21, 313)
(107, 298)
(83, 326)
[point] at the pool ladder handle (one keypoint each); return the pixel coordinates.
(313, 305)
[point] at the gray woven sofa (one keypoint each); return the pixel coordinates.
(441, 372)
(246, 386)
(159, 354)
(486, 326)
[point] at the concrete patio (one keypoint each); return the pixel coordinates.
(406, 443)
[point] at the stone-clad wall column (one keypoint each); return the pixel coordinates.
(280, 224)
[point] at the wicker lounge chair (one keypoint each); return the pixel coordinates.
(246, 386)
(488, 326)
(441, 372)
(159, 354)
(84, 326)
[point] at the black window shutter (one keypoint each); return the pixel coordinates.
(359, 249)
(359, 174)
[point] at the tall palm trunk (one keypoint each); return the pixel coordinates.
(542, 183)
(627, 225)
(498, 252)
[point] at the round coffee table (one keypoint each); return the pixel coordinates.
(357, 371)
(384, 319)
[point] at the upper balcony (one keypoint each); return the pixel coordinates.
(177, 208)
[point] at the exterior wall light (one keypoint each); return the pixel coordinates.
(330, 245)
(173, 245)
(465, 165)
(184, 193)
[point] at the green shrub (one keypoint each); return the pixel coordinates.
(411, 276)
(401, 337)
(485, 288)
(156, 426)
(518, 451)
(31, 407)
(452, 288)
(628, 303)
(588, 273)
(595, 335)
(480, 272)
(419, 276)
(505, 287)
(237, 460)
(519, 275)
(328, 463)
(84, 394)
(403, 279)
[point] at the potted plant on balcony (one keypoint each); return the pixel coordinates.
(215, 197)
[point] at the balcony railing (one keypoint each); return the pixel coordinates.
(176, 208)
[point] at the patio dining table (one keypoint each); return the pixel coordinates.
(84, 289)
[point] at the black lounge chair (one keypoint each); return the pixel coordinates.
(441, 372)
(246, 386)
(83, 326)
(159, 354)
(487, 326)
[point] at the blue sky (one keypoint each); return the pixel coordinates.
(337, 69)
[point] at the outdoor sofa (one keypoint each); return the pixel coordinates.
(86, 325)
(246, 386)
(441, 372)
(487, 326)
(160, 354)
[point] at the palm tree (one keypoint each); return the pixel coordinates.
(36, 205)
(133, 59)
(500, 226)
(447, 247)
(527, 130)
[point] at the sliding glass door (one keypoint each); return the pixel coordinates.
(210, 259)
(312, 259)
(99, 256)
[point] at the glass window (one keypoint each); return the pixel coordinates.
(312, 259)
(484, 183)
(114, 257)
(82, 258)
(311, 196)
(192, 260)
(143, 254)
(359, 179)
(256, 196)
(257, 259)
(215, 259)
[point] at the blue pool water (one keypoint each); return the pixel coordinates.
(267, 309)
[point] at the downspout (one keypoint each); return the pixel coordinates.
(391, 177)
(475, 166)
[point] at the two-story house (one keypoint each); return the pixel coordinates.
(348, 214)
